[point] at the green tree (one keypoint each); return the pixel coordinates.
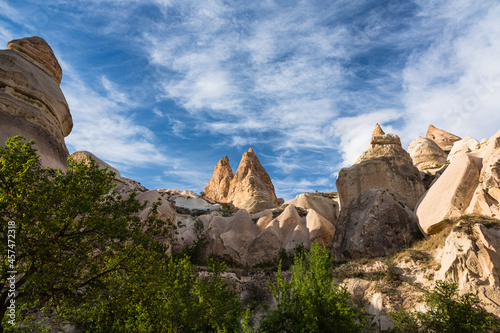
(447, 312)
(164, 296)
(311, 301)
(67, 231)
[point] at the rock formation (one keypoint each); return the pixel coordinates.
(486, 199)
(384, 165)
(426, 154)
(375, 225)
(218, 187)
(327, 207)
(31, 101)
(443, 139)
(83, 156)
(467, 145)
(250, 188)
(450, 195)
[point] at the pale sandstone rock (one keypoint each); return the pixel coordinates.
(266, 246)
(218, 187)
(398, 177)
(443, 139)
(426, 154)
(31, 101)
(251, 188)
(384, 165)
(237, 237)
(471, 260)
(375, 225)
(320, 229)
(326, 207)
(486, 199)
(37, 51)
(450, 195)
(466, 145)
(377, 130)
(83, 156)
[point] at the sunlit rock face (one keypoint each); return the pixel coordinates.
(249, 188)
(31, 101)
(384, 165)
(442, 138)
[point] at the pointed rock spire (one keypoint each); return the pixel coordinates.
(218, 187)
(251, 187)
(443, 139)
(377, 130)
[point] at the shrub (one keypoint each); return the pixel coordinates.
(447, 312)
(311, 301)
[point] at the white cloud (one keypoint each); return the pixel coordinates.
(354, 133)
(455, 83)
(103, 124)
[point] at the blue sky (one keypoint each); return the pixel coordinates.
(163, 89)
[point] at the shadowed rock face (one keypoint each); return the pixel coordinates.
(31, 101)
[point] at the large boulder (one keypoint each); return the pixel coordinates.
(466, 145)
(375, 225)
(450, 195)
(325, 206)
(218, 187)
(384, 165)
(486, 199)
(426, 154)
(31, 101)
(443, 139)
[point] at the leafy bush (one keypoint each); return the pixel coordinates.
(447, 312)
(311, 301)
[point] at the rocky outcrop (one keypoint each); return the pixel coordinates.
(467, 145)
(84, 156)
(442, 138)
(426, 154)
(31, 101)
(471, 259)
(250, 188)
(486, 199)
(325, 206)
(218, 187)
(375, 225)
(450, 195)
(384, 165)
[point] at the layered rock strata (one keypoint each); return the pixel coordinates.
(31, 101)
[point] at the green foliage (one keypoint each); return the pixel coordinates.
(447, 312)
(226, 210)
(311, 301)
(164, 296)
(71, 229)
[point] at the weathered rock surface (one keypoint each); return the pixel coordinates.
(250, 188)
(466, 145)
(443, 139)
(375, 225)
(486, 199)
(218, 187)
(450, 195)
(426, 154)
(31, 101)
(471, 259)
(384, 165)
(83, 156)
(327, 207)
